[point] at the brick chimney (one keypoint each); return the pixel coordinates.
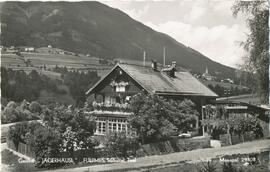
(173, 69)
(170, 71)
(174, 64)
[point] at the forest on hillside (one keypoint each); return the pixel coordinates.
(17, 85)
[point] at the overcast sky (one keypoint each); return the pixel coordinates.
(205, 25)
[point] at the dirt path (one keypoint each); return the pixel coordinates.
(159, 160)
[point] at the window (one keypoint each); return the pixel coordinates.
(123, 127)
(118, 124)
(120, 89)
(110, 100)
(110, 127)
(119, 127)
(114, 125)
(107, 100)
(101, 125)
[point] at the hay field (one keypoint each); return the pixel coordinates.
(50, 60)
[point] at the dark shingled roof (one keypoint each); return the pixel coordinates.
(160, 83)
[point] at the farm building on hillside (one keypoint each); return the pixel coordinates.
(112, 93)
(26, 49)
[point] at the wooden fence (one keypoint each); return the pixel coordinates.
(21, 148)
(224, 138)
(165, 147)
(174, 145)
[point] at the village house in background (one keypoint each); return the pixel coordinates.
(26, 49)
(206, 75)
(113, 92)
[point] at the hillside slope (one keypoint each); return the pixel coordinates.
(95, 29)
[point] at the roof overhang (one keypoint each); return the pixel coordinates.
(99, 113)
(224, 102)
(90, 91)
(182, 94)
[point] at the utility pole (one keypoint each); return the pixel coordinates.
(144, 54)
(164, 56)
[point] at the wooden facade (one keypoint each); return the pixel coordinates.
(112, 94)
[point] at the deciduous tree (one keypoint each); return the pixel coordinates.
(219, 118)
(46, 143)
(155, 118)
(257, 42)
(76, 129)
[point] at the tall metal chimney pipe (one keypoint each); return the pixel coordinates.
(144, 54)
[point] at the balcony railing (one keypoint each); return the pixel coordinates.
(111, 107)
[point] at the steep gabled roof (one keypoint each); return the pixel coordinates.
(105, 76)
(157, 82)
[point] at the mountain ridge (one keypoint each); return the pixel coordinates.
(98, 30)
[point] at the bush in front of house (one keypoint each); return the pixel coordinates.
(228, 167)
(17, 133)
(35, 107)
(157, 119)
(10, 113)
(208, 166)
(232, 124)
(243, 125)
(75, 128)
(120, 145)
(46, 143)
(16, 112)
(63, 132)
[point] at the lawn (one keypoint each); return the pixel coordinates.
(8, 158)
(12, 60)
(38, 59)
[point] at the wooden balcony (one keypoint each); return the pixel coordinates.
(117, 107)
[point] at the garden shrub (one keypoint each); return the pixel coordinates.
(120, 145)
(35, 107)
(14, 112)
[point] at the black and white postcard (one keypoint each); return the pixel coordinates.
(135, 85)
